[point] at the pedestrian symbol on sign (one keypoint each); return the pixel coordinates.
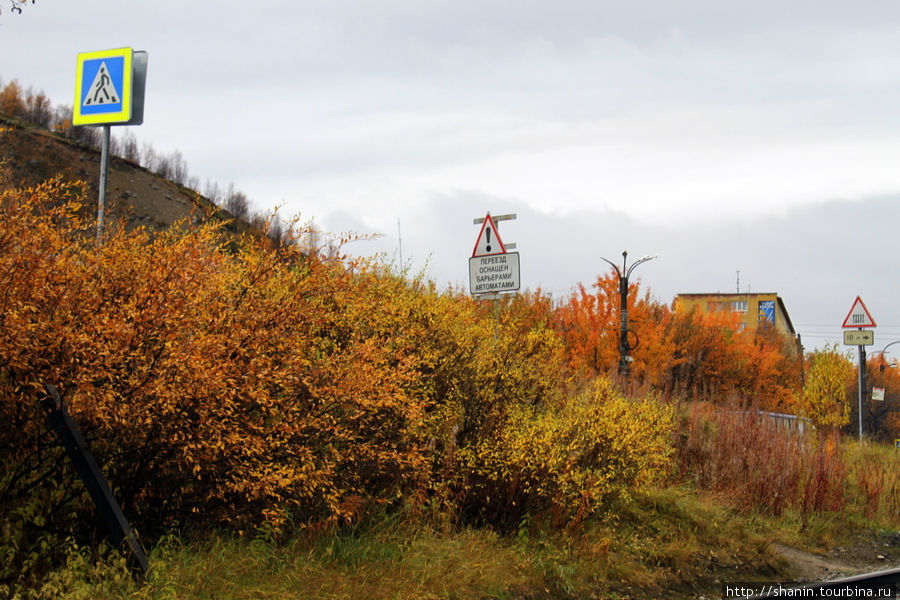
(102, 90)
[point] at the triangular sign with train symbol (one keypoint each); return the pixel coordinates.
(858, 316)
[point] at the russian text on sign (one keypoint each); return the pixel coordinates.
(496, 273)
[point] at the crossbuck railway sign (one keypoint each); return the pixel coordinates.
(492, 269)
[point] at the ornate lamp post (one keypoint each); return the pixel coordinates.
(624, 346)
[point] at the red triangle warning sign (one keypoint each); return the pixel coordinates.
(858, 316)
(488, 241)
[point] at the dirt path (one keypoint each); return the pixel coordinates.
(867, 554)
(807, 566)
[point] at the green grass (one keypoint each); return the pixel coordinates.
(665, 541)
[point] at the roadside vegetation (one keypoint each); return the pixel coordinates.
(284, 423)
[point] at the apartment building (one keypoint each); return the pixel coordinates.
(754, 309)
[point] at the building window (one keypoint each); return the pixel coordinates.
(739, 306)
(714, 306)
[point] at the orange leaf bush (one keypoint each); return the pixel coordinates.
(227, 386)
(225, 382)
(681, 354)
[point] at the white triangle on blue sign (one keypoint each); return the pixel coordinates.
(102, 90)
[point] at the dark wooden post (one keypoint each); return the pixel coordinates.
(79, 453)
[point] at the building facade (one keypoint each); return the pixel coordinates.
(754, 309)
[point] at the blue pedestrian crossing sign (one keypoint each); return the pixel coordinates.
(109, 87)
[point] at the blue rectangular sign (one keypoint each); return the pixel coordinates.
(102, 83)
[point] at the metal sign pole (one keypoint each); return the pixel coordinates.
(104, 173)
(109, 90)
(858, 318)
(861, 386)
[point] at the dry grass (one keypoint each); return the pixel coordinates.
(758, 463)
(873, 475)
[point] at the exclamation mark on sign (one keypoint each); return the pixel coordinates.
(487, 232)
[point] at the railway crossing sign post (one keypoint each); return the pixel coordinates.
(492, 269)
(109, 90)
(855, 334)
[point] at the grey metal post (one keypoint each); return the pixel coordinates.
(104, 173)
(861, 376)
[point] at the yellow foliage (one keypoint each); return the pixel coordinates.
(825, 399)
(570, 458)
(247, 382)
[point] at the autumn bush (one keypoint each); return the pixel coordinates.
(168, 323)
(825, 399)
(564, 461)
(226, 382)
(215, 387)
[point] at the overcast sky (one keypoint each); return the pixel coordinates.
(754, 137)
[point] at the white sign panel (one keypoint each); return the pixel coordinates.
(493, 274)
(860, 337)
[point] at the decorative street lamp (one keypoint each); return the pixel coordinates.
(881, 352)
(624, 346)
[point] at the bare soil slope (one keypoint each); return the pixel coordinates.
(134, 194)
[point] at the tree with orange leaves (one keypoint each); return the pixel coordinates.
(884, 415)
(589, 324)
(700, 355)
